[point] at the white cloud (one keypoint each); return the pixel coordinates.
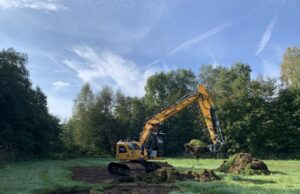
(266, 37)
(60, 106)
(214, 62)
(45, 5)
(202, 37)
(60, 85)
(271, 63)
(270, 68)
(108, 68)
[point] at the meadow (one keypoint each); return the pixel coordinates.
(42, 176)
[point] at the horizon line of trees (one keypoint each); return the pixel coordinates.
(260, 116)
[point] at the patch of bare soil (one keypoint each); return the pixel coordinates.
(141, 188)
(244, 163)
(138, 184)
(71, 192)
(121, 184)
(163, 175)
(167, 175)
(92, 174)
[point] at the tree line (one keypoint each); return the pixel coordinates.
(260, 116)
(26, 127)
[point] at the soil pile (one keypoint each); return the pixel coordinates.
(244, 163)
(167, 175)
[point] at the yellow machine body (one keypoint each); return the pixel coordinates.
(129, 151)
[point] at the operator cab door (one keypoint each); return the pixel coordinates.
(123, 152)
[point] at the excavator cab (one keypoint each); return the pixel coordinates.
(128, 150)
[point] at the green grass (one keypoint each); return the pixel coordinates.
(284, 178)
(47, 175)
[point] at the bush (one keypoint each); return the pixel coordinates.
(78, 152)
(63, 155)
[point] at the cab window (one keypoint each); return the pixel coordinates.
(136, 147)
(132, 146)
(122, 149)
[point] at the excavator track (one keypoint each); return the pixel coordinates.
(126, 168)
(162, 165)
(135, 167)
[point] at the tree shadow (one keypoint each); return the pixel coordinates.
(278, 172)
(254, 181)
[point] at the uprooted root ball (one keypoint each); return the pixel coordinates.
(195, 151)
(207, 175)
(244, 163)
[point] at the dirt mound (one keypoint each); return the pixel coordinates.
(92, 174)
(167, 175)
(140, 188)
(163, 175)
(244, 163)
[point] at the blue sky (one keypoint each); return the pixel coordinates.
(121, 43)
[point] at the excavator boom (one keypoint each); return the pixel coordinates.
(206, 106)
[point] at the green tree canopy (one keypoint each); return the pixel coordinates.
(290, 67)
(26, 127)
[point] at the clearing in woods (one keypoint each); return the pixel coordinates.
(63, 176)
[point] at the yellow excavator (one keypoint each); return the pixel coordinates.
(134, 156)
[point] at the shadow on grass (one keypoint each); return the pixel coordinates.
(254, 181)
(278, 172)
(59, 189)
(222, 187)
(82, 189)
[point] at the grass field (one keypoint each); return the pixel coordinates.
(44, 175)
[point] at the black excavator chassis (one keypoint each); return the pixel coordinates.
(135, 167)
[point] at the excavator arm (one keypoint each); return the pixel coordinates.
(208, 110)
(206, 106)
